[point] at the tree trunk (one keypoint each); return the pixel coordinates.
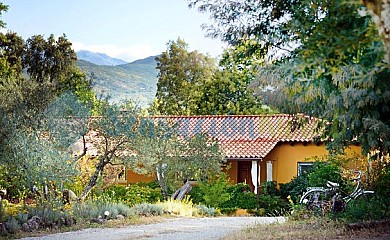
(93, 180)
(181, 192)
(380, 12)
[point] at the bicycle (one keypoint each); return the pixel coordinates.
(321, 200)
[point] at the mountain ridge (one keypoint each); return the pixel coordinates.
(136, 81)
(101, 59)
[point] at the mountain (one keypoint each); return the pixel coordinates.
(98, 58)
(136, 80)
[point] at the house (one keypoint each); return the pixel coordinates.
(258, 148)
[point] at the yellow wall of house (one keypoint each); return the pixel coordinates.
(285, 158)
(133, 177)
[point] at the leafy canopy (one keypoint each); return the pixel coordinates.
(324, 59)
(191, 84)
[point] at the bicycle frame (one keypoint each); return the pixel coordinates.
(333, 190)
(358, 191)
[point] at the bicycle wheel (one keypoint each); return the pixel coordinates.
(363, 207)
(315, 200)
(363, 198)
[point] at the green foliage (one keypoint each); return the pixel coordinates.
(147, 209)
(41, 96)
(123, 209)
(119, 133)
(206, 211)
(325, 60)
(197, 87)
(230, 91)
(366, 208)
(195, 158)
(273, 205)
(214, 193)
(294, 188)
(241, 197)
(196, 195)
(181, 74)
(3, 8)
(12, 225)
(269, 188)
(51, 213)
(94, 209)
(198, 159)
(375, 206)
(270, 199)
(133, 194)
(31, 157)
(298, 211)
(323, 172)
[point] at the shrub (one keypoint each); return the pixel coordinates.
(206, 211)
(12, 225)
(184, 207)
(196, 195)
(241, 197)
(273, 205)
(147, 209)
(257, 211)
(215, 192)
(51, 213)
(123, 209)
(86, 210)
(298, 211)
(294, 188)
(270, 188)
(315, 177)
(377, 206)
(22, 217)
(133, 194)
(95, 209)
(382, 189)
(323, 172)
(365, 210)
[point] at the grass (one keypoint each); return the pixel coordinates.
(311, 229)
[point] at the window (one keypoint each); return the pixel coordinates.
(303, 167)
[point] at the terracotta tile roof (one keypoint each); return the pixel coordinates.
(249, 136)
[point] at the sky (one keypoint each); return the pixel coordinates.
(125, 29)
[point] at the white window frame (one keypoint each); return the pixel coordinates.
(303, 164)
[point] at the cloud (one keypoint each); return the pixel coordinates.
(128, 54)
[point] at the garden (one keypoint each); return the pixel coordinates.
(113, 205)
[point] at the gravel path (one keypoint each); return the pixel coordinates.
(175, 229)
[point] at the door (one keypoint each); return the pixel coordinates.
(244, 173)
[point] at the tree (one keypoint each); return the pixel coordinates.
(190, 84)
(323, 55)
(40, 156)
(37, 111)
(380, 12)
(3, 8)
(181, 72)
(229, 91)
(12, 49)
(115, 135)
(177, 159)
